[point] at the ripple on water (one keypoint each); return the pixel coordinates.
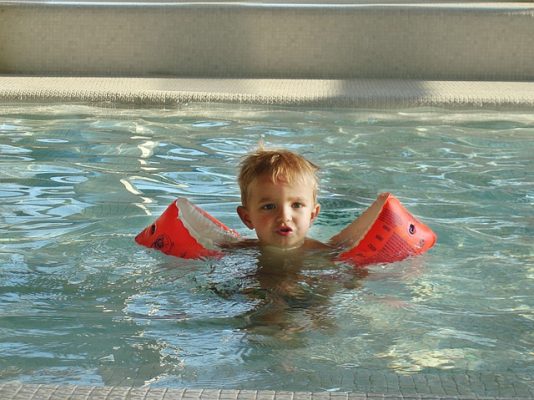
(81, 302)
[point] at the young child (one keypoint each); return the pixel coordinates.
(279, 199)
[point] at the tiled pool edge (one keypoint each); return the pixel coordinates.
(313, 92)
(17, 391)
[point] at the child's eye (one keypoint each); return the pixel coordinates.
(298, 205)
(268, 207)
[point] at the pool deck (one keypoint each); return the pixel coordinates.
(305, 92)
(355, 53)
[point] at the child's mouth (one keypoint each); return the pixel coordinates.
(285, 231)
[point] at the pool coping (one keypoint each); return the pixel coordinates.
(18, 391)
(300, 92)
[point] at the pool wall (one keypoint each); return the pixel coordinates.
(341, 54)
(489, 41)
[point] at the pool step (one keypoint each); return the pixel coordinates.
(427, 41)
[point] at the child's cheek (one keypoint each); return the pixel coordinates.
(265, 219)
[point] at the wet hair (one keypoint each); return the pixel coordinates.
(280, 165)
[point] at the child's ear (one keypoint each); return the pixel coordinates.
(243, 214)
(315, 213)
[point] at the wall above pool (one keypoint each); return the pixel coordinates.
(433, 41)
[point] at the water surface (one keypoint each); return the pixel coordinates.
(81, 303)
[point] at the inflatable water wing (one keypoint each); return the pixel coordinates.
(385, 232)
(185, 230)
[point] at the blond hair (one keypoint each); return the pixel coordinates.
(279, 165)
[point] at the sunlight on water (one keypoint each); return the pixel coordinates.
(81, 303)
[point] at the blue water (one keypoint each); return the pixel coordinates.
(81, 303)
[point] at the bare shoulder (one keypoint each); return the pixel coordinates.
(309, 244)
(312, 244)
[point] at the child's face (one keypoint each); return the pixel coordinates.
(281, 213)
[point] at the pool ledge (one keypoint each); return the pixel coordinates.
(16, 391)
(314, 92)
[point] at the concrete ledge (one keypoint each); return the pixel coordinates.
(354, 92)
(438, 41)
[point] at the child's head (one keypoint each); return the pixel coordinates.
(279, 196)
(279, 166)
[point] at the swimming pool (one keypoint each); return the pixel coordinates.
(81, 303)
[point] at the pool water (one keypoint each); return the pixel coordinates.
(81, 303)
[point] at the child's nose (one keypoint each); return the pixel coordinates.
(285, 214)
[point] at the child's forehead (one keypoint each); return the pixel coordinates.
(263, 185)
(265, 188)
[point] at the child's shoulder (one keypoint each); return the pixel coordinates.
(309, 244)
(312, 244)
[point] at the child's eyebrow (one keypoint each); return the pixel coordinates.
(299, 199)
(264, 199)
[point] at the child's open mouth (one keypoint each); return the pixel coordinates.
(285, 231)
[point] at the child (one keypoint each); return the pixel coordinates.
(279, 199)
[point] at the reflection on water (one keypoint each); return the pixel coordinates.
(81, 303)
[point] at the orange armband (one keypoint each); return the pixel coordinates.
(385, 232)
(185, 230)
